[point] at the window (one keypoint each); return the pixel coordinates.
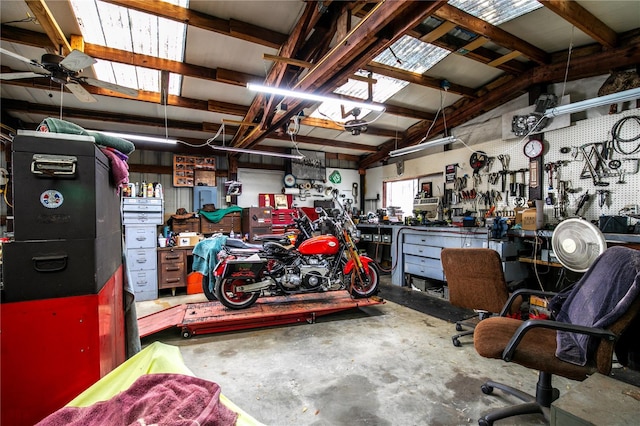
(400, 193)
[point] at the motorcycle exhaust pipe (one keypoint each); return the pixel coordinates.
(253, 287)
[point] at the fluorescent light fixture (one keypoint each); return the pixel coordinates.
(256, 152)
(141, 138)
(312, 97)
(415, 148)
(626, 95)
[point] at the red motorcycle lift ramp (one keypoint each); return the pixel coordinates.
(213, 317)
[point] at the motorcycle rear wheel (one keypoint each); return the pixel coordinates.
(369, 288)
(205, 289)
(225, 292)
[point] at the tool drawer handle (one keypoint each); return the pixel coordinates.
(49, 263)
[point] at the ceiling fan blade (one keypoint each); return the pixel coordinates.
(19, 75)
(111, 86)
(80, 92)
(76, 61)
(20, 58)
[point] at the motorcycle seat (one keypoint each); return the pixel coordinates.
(239, 244)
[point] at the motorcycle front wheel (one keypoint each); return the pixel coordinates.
(226, 293)
(370, 285)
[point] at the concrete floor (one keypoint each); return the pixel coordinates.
(378, 365)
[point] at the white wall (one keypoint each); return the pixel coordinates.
(256, 182)
(484, 134)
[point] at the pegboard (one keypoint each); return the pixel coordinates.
(582, 133)
(576, 171)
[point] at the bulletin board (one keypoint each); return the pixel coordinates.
(184, 167)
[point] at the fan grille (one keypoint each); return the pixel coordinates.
(577, 243)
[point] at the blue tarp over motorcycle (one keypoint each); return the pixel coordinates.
(205, 256)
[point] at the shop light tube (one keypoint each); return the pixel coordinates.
(141, 138)
(256, 152)
(415, 148)
(313, 97)
(626, 95)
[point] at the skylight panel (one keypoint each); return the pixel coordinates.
(106, 24)
(496, 12)
(411, 54)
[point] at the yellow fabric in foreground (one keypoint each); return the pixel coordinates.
(155, 358)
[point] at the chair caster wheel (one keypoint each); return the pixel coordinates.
(458, 327)
(456, 342)
(486, 389)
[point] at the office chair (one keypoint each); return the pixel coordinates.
(476, 281)
(588, 320)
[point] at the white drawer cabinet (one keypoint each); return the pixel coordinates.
(140, 217)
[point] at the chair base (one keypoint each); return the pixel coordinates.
(455, 338)
(545, 395)
(469, 322)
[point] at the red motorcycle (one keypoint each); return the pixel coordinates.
(320, 263)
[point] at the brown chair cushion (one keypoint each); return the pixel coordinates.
(492, 335)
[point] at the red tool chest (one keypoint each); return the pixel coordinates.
(62, 315)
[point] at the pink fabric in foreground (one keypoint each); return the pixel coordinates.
(119, 167)
(153, 399)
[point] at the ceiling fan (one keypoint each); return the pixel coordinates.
(65, 71)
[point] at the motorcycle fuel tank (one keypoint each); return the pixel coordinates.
(326, 245)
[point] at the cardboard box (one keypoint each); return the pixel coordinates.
(529, 220)
(187, 239)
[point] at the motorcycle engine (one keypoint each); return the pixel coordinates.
(315, 273)
(306, 273)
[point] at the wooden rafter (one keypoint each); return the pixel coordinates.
(495, 34)
(582, 66)
(46, 20)
(573, 12)
(232, 27)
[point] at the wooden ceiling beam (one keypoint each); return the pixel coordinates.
(597, 63)
(50, 26)
(232, 28)
(385, 23)
(585, 21)
(493, 33)
(438, 32)
(419, 79)
(31, 38)
(277, 73)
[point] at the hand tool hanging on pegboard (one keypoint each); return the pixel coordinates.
(590, 167)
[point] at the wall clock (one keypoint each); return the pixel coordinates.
(533, 148)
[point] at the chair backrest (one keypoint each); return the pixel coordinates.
(605, 297)
(475, 278)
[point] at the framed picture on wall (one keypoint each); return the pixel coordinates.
(311, 167)
(426, 189)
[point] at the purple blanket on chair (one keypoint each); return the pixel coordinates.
(601, 296)
(153, 399)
